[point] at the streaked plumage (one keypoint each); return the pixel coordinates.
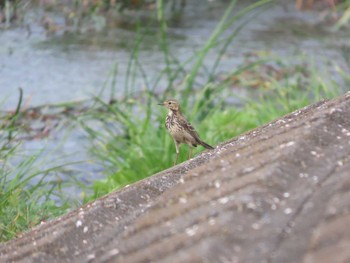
(180, 129)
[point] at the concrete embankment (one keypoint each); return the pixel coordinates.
(279, 193)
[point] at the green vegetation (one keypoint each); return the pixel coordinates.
(344, 8)
(128, 136)
(131, 140)
(28, 194)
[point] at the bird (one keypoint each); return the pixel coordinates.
(180, 129)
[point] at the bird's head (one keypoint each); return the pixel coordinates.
(171, 105)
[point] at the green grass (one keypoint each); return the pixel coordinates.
(26, 197)
(28, 194)
(344, 8)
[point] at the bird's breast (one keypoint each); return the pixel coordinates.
(178, 132)
(169, 122)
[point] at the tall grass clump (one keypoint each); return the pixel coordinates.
(28, 194)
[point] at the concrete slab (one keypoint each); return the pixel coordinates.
(279, 193)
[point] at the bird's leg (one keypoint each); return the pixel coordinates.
(190, 154)
(177, 155)
(177, 150)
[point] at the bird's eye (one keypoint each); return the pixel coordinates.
(169, 102)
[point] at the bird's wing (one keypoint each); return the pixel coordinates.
(188, 127)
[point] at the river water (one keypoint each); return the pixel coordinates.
(69, 67)
(74, 66)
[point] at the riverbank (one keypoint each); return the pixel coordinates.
(228, 83)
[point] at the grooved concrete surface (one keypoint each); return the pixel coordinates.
(279, 193)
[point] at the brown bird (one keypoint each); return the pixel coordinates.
(180, 129)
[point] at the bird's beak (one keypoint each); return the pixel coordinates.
(161, 104)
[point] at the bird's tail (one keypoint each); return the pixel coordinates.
(206, 145)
